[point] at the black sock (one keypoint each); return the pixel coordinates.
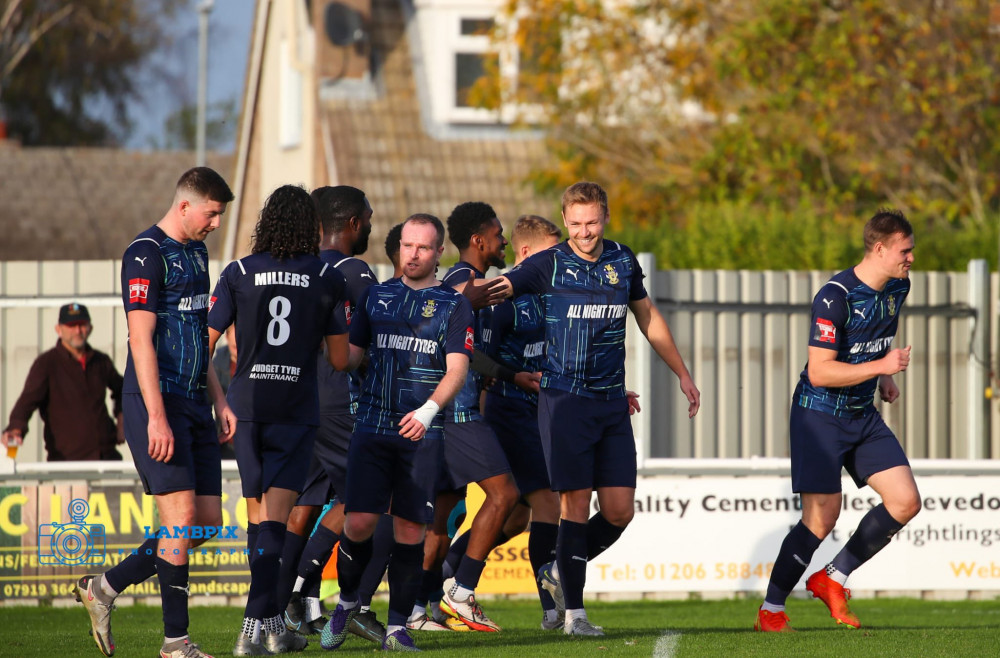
(174, 595)
(404, 581)
(352, 558)
(134, 569)
(315, 555)
(262, 600)
(455, 553)
(382, 546)
(252, 530)
(469, 571)
(793, 559)
(874, 533)
(542, 550)
(571, 552)
(288, 566)
(600, 535)
(430, 588)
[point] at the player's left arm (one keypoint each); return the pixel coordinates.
(887, 389)
(654, 327)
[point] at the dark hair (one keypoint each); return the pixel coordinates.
(288, 225)
(884, 223)
(468, 219)
(392, 242)
(205, 183)
(336, 205)
(424, 218)
(585, 193)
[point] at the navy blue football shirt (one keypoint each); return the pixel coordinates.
(170, 278)
(859, 323)
(465, 406)
(282, 310)
(408, 334)
(586, 306)
(514, 334)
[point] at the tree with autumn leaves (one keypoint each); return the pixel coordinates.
(786, 116)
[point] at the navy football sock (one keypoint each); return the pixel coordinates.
(352, 558)
(174, 595)
(874, 533)
(382, 546)
(469, 571)
(455, 553)
(262, 600)
(404, 581)
(571, 552)
(793, 559)
(315, 555)
(290, 554)
(430, 588)
(252, 530)
(601, 534)
(542, 550)
(134, 569)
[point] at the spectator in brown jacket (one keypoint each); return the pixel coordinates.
(68, 384)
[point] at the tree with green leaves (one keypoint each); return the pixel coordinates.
(64, 64)
(771, 106)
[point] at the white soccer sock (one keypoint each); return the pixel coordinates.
(836, 576)
(274, 625)
(299, 582)
(572, 614)
(551, 615)
(389, 630)
(251, 628)
(461, 592)
(313, 611)
(348, 605)
(418, 612)
(772, 607)
(107, 588)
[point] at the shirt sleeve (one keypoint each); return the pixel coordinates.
(142, 276)
(33, 396)
(497, 321)
(533, 274)
(460, 337)
(636, 289)
(221, 307)
(360, 324)
(457, 276)
(358, 276)
(829, 317)
(338, 321)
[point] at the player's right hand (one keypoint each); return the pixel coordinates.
(896, 360)
(161, 440)
(411, 428)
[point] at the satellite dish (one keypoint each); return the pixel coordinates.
(344, 25)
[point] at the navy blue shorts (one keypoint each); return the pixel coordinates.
(328, 468)
(588, 442)
(472, 453)
(272, 455)
(196, 463)
(821, 444)
(389, 473)
(515, 423)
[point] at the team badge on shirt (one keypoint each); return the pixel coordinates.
(200, 261)
(825, 331)
(137, 290)
(611, 273)
(429, 307)
(891, 303)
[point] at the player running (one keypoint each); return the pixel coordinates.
(834, 423)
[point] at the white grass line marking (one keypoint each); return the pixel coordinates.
(666, 645)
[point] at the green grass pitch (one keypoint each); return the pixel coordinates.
(891, 627)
